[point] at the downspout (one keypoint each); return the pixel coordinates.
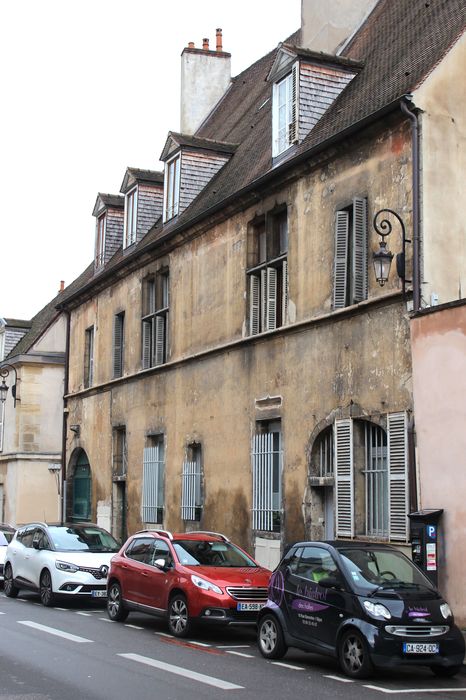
(416, 204)
(65, 422)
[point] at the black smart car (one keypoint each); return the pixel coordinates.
(367, 604)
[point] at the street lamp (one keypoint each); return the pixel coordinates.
(382, 259)
(4, 373)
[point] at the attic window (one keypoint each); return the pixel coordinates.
(172, 188)
(131, 206)
(285, 112)
(100, 240)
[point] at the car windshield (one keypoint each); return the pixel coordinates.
(208, 553)
(5, 538)
(82, 539)
(373, 571)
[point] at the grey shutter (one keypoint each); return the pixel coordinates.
(271, 296)
(254, 305)
(190, 489)
(118, 345)
(359, 263)
(263, 299)
(398, 475)
(294, 97)
(262, 482)
(151, 484)
(344, 478)
(159, 340)
(341, 256)
(285, 293)
(146, 344)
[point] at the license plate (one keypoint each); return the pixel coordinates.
(99, 594)
(250, 606)
(420, 648)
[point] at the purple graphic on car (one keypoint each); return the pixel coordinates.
(276, 589)
(307, 606)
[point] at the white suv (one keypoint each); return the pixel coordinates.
(59, 560)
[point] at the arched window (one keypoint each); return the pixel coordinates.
(81, 505)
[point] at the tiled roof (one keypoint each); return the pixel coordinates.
(197, 143)
(146, 175)
(112, 200)
(16, 323)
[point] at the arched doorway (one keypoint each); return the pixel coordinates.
(81, 504)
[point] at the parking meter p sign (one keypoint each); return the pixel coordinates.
(432, 532)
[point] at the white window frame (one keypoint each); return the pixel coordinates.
(285, 112)
(155, 321)
(172, 188)
(131, 216)
(101, 233)
(152, 497)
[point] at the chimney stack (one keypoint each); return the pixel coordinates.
(62, 286)
(205, 77)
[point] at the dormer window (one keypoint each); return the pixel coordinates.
(100, 240)
(172, 188)
(285, 107)
(131, 206)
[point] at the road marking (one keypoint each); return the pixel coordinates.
(233, 646)
(2, 613)
(105, 619)
(164, 634)
(199, 644)
(339, 678)
(134, 627)
(84, 613)
(52, 630)
(178, 671)
(281, 663)
(62, 609)
(415, 690)
(239, 653)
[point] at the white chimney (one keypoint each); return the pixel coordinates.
(326, 26)
(205, 77)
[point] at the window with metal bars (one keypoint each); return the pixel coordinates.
(191, 484)
(376, 478)
(350, 262)
(268, 272)
(322, 454)
(155, 320)
(267, 460)
(153, 481)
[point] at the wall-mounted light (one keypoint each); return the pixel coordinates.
(4, 373)
(76, 429)
(382, 259)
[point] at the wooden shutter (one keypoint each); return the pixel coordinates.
(341, 256)
(118, 345)
(398, 475)
(271, 299)
(285, 293)
(146, 344)
(293, 134)
(344, 478)
(254, 305)
(159, 340)
(359, 263)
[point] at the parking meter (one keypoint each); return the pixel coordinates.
(424, 541)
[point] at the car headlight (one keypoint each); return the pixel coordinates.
(377, 610)
(446, 611)
(66, 566)
(205, 585)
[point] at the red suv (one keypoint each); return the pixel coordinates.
(187, 578)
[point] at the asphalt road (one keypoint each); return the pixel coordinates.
(75, 652)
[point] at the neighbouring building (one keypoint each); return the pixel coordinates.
(234, 364)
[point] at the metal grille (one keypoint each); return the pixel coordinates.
(191, 490)
(376, 472)
(244, 593)
(152, 484)
(266, 481)
(325, 454)
(96, 573)
(417, 631)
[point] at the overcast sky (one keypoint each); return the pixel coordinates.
(87, 89)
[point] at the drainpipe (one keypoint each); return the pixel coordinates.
(416, 204)
(65, 422)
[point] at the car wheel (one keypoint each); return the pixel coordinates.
(179, 623)
(115, 607)
(445, 671)
(8, 586)
(354, 655)
(46, 593)
(270, 638)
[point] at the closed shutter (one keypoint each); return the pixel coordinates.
(285, 293)
(293, 133)
(359, 277)
(118, 345)
(159, 340)
(91, 358)
(146, 344)
(152, 485)
(254, 305)
(262, 482)
(398, 475)
(341, 256)
(263, 300)
(190, 490)
(344, 478)
(271, 296)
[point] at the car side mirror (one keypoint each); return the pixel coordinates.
(330, 582)
(162, 564)
(36, 544)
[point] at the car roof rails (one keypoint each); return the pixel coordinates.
(208, 532)
(164, 533)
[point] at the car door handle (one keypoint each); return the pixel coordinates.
(144, 573)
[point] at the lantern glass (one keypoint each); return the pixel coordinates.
(382, 261)
(3, 391)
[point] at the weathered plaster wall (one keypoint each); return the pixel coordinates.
(439, 371)
(442, 99)
(54, 338)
